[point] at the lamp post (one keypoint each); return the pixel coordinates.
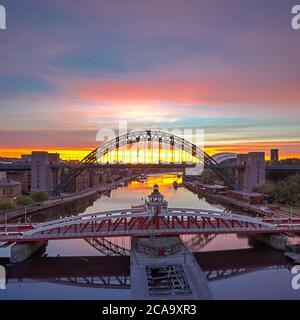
(5, 220)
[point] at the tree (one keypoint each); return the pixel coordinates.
(209, 177)
(39, 196)
(24, 201)
(267, 188)
(286, 191)
(7, 205)
(290, 161)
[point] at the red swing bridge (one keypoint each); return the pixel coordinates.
(154, 217)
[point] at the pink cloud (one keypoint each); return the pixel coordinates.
(187, 93)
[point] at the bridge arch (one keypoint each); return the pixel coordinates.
(160, 137)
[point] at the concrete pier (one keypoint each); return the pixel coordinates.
(293, 256)
(276, 241)
(163, 268)
(24, 250)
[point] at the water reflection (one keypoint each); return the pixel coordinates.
(112, 274)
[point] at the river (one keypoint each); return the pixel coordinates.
(237, 267)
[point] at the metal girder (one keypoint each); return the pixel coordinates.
(200, 240)
(76, 171)
(221, 274)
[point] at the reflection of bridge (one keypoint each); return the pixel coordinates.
(230, 273)
(199, 241)
(112, 282)
(98, 272)
(228, 263)
(104, 282)
(114, 272)
(107, 247)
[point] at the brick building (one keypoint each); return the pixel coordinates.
(9, 189)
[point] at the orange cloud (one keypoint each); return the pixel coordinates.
(65, 154)
(287, 149)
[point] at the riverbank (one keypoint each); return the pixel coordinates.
(7, 215)
(280, 242)
(256, 210)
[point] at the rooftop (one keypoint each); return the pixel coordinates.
(8, 182)
(216, 186)
(249, 194)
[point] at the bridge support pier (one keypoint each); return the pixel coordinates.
(275, 241)
(24, 250)
(164, 268)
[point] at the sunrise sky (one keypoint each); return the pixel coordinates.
(69, 68)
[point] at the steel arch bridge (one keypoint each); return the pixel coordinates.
(162, 138)
(139, 222)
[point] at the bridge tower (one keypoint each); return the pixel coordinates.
(253, 175)
(43, 177)
(156, 203)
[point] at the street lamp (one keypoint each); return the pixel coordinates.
(5, 220)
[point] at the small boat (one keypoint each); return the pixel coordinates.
(142, 178)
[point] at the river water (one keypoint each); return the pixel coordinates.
(237, 267)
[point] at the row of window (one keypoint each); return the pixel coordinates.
(6, 191)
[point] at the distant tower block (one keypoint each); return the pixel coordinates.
(253, 175)
(274, 155)
(42, 176)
